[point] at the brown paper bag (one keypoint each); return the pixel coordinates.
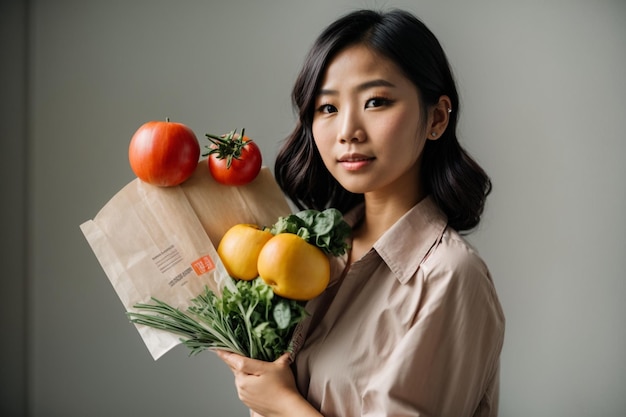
(160, 242)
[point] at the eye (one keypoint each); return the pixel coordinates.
(377, 102)
(327, 108)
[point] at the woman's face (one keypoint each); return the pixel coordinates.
(367, 124)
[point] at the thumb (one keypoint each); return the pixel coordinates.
(242, 364)
(233, 360)
(284, 359)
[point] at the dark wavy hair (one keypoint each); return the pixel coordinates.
(457, 183)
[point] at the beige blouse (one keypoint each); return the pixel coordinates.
(414, 328)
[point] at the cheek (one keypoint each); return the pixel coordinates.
(402, 133)
(322, 140)
(404, 145)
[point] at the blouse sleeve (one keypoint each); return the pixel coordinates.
(447, 364)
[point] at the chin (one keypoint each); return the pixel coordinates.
(354, 188)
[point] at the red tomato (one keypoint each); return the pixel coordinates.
(234, 159)
(163, 153)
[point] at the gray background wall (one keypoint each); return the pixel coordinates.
(542, 84)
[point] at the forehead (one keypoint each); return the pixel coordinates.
(358, 62)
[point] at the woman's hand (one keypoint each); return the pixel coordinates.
(267, 388)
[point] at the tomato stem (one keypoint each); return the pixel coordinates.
(227, 146)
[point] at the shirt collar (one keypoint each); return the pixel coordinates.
(407, 243)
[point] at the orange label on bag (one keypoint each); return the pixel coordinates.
(203, 265)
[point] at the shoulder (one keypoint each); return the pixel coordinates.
(454, 249)
(456, 279)
(454, 262)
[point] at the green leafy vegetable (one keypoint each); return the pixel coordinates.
(325, 229)
(248, 319)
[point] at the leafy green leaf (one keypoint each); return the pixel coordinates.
(325, 229)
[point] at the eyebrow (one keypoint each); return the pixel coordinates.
(361, 87)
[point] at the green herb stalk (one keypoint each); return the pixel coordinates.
(249, 320)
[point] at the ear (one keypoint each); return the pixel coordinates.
(438, 117)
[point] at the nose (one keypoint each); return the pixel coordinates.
(351, 128)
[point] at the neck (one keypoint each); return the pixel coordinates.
(381, 212)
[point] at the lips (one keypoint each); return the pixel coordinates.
(355, 162)
(354, 157)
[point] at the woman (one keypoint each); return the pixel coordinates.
(411, 324)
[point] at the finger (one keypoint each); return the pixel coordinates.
(241, 364)
(231, 359)
(223, 354)
(284, 359)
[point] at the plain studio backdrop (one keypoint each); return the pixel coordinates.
(543, 104)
